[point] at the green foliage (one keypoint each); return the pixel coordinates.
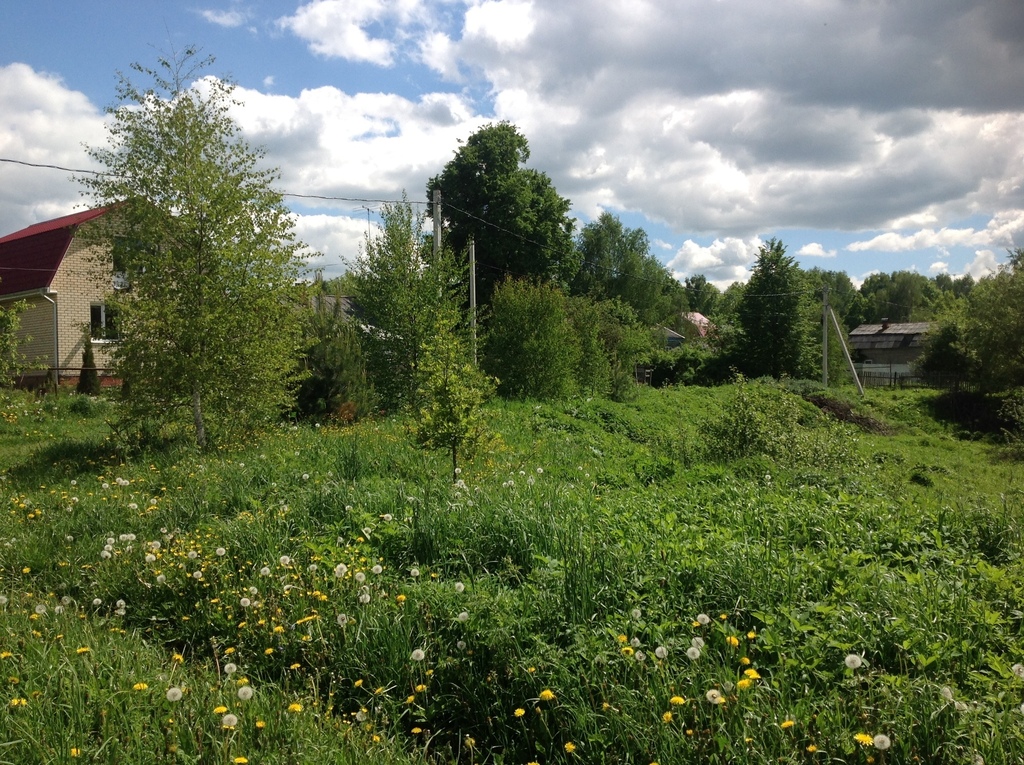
(531, 347)
(616, 263)
(335, 384)
(10, 359)
(209, 330)
(88, 379)
(701, 295)
(520, 224)
(993, 330)
(570, 575)
(452, 393)
(774, 316)
(403, 294)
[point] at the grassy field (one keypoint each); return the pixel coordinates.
(703, 575)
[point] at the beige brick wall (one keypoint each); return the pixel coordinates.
(82, 280)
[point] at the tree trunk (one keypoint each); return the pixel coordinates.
(197, 418)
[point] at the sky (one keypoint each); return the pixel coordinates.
(866, 135)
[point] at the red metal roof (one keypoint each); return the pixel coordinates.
(29, 258)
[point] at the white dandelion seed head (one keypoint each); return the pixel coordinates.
(245, 692)
(104, 485)
(340, 570)
(636, 613)
(414, 572)
(312, 568)
(703, 619)
(946, 692)
(460, 587)
(388, 517)
(105, 554)
(245, 602)
(342, 620)
(714, 696)
(978, 760)
(121, 604)
(640, 656)
(265, 571)
(1018, 670)
(661, 652)
(192, 555)
(360, 577)
(120, 612)
(461, 645)
(150, 558)
(418, 655)
(197, 574)
(74, 482)
(698, 642)
(254, 591)
(221, 552)
(97, 602)
(853, 661)
(364, 598)
(161, 578)
(230, 669)
(693, 652)
(540, 471)
(361, 715)
(110, 540)
(173, 694)
(366, 532)
(377, 569)
(961, 706)
(154, 545)
(284, 560)
(881, 742)
(3, 600)
(463, 617)
(635, 642)
(40, 608)
(305, 476)
(228, 721)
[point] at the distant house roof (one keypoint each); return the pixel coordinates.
(29, 258)
(870, 337)
(700, 321)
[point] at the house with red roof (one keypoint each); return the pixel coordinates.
(65, 278)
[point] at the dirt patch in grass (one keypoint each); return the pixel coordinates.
(843, 412)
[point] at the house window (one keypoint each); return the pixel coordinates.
(102, 322)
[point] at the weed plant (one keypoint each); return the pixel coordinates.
(697, 575)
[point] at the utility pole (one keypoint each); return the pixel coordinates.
(472, 296)
(824, 335)
(437, 223)
(846, 352)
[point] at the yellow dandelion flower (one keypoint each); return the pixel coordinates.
(744, 661)
(622, 638)
(177, 658)
(547, 695)
(732, 640)
(260, 725)
(864, 739)
(240, 761)
(6, 655)
(420, 688)
(400, 598)
(278, 629)
(75, 751)
(744, 684)
(220, 710)
(296, 665)
(667, 717)
(227, 651)
(417, 731)
(627, 650)
(519, 712)
(268, 651)
(786, 724)
(410, 699)
(812, 748)
(83, 649)
(140, 687)
(752, 674)
(570, 747)
(676, 701)
(295, 707)
(751, 635)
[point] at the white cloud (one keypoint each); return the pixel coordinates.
(938, 267)
(230, 19)
(507, 24)
(723, 262)
(43, 122)
(984, 263)
(815, 250)
(1003, 230)
(336, 239)
(338, 28)
(268, 81)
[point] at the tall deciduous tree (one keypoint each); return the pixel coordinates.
(993, 329)
(773, 315)
(209, 331)
(403, 293)
(518, 220)
(616, 262)
(10, 321)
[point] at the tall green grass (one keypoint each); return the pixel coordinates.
(698, 575)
